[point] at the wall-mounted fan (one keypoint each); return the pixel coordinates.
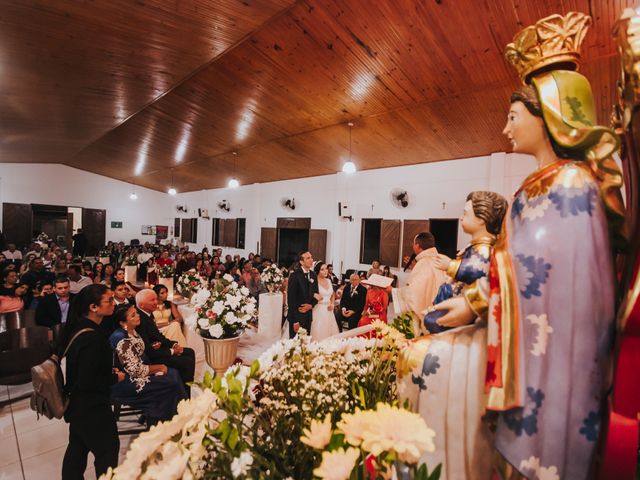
(181, 208)
(289, 203)
(224, 205)
(400, 198)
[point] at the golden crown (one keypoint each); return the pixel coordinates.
(554, 39)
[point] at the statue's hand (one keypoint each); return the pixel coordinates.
(441, 262)
(459, 313)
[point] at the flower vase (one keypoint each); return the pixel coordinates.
(220, 353)
(167, 282)
(189, 296)
(130, 273)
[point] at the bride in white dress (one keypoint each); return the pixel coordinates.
(323, 323)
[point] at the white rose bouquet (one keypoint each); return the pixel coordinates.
(272, 278)
(225, 310)
(189, 283)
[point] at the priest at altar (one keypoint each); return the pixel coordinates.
(423, 282)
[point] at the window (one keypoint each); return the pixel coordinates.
(189, 230)
(240, 232)
(370, 240)
(215, 231)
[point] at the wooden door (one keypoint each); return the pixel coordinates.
(228, 232)
(268, 243)
(410, 229)
(318, 244)
(185, 232)
(16, 223)
(93, 225)
(390, 242)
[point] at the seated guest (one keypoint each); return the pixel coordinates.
(120, 297)
(335, 282)
(36, 274)
(153, 388)
(158, 348)
(255, 285)
(36, 250)
(9, 281)
(12, 255)
(14, 302)
(60, 267)
(118, 276)
(386, 272)
(375, 307)
(107, 275)
(87, 269)
(45, 289)
(152, 272)
(77, 281)
(54, 308)
(164, 259)
(352, 301)
(245, 277)
(375, 269)
(167, 317)
(98, 268)
(121, 294)
(182, 265)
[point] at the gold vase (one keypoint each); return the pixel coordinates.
(220, 353)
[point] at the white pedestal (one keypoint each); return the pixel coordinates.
(270, 315)
(104, 260)
(167, 282)
(130, 273)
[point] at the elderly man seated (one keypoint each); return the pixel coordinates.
(157, 347)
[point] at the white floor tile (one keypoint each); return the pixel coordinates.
(11, 472)
(27, 420)
(4, 392)
(43, 440)
(8, 452)
(6, 424)
(47, 465)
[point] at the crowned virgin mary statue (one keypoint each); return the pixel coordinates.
(548, 299)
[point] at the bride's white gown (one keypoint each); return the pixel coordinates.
(323, 322)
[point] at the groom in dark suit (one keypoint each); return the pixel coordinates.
(303, 284)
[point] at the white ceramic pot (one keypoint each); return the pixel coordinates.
(220, 353)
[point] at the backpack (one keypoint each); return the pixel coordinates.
(48, 397)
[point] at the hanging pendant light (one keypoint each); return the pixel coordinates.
(133, 195)
(349, 167)
(172, 190)
(234, 183)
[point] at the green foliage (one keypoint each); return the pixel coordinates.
(404, 324)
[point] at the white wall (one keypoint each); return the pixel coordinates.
(436, 190)
(55, 184)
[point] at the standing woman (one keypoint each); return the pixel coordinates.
(92, 426)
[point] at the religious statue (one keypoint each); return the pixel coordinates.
(549, 297)
(482, 218)
(442, 375)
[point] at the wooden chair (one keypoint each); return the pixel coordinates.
(21, 349)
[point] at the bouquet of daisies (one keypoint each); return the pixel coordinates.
(166, 272)
(189, 283)
(272, 278)
(225, 310)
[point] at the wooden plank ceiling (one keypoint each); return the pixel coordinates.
(138, 90)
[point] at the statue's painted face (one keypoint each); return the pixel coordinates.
(524, 130)
(469, 222)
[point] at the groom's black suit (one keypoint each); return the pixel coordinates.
(300, 290)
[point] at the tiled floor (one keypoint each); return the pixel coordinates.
(32, 448)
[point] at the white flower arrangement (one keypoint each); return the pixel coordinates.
(172, 449)
(304, 410)
(272, 278)
(189, 283)
(224, 311)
